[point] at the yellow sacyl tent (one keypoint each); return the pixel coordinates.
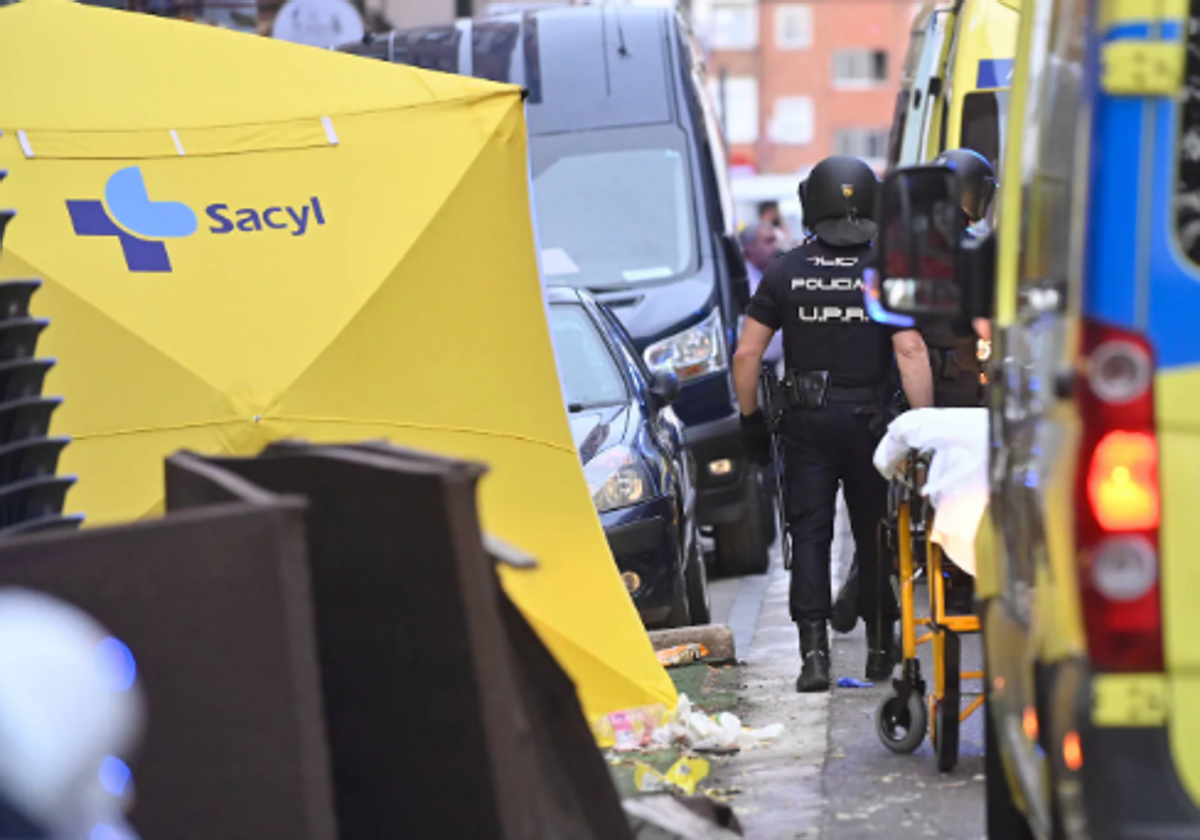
(244, 240)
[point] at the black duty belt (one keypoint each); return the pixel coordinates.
(844, 393)
(812, 389)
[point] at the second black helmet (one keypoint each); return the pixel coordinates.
(838, 199)
(975, 177)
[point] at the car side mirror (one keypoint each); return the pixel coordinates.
(664, 386)
(739, 274)
(927, 269)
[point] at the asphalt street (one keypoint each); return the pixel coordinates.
(829, 776)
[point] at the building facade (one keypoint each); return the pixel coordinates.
(798, 81)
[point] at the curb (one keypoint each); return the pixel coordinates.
(718, 638)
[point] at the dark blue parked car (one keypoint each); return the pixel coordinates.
(638, 469)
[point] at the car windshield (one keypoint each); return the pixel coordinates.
(589, 374)
(613, 207)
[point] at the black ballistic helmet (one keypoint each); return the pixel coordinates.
(975, 178)
(838, 199)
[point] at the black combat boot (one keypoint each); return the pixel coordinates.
(814, 654)
(881, 650)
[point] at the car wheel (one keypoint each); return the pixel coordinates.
(696, 575)
(741, 549)
(1004, 820)
(681, 613)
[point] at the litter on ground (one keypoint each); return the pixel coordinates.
(650, 727)
(686, 773)
(851, 682)
(631, 729)
(682, 654)
(683, 775)
(691, 728)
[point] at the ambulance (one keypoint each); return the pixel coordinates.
(955, 79)
(1088, 572)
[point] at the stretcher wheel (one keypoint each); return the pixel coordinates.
(901, 725)
(945, 738)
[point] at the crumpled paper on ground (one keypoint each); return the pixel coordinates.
(683, 775)
(957, 483)
(652, 727)
(681, 654)
(691, 728)
(630, 729)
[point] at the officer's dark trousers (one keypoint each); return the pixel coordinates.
(824, 447)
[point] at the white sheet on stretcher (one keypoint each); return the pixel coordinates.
(957, 483)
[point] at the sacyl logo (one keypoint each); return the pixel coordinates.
(249, 220)
(141, 225)
(137, 222)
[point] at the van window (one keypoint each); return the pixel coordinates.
(614, 207)
(1187, 201)
(493, 43)
(984, 121)
(912, 58)
(899, 119)
(435, 48)
(1050, 166)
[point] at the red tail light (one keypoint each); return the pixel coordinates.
(1118, 502)
(1122, 481)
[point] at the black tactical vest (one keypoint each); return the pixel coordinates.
(825, 322)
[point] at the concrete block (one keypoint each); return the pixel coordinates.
(716, 637)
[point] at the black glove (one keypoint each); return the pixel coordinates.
(878, 418)
(756, 438)
(891, 404)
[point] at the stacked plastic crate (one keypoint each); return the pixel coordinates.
(32, 494)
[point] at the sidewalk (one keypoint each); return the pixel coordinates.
(781, 786)
(827, 776)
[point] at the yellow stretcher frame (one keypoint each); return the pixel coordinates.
(907, 714)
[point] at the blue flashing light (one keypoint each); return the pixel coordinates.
(117, 663)
(115, 775)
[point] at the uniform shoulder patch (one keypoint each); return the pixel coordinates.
(834, 262)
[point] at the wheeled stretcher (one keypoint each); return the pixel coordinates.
(910, 710)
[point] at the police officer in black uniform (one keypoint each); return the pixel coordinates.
(954, 359)
(954, 346)
(838, 363)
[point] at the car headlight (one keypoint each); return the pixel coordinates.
(617, 478)
(693, 352)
